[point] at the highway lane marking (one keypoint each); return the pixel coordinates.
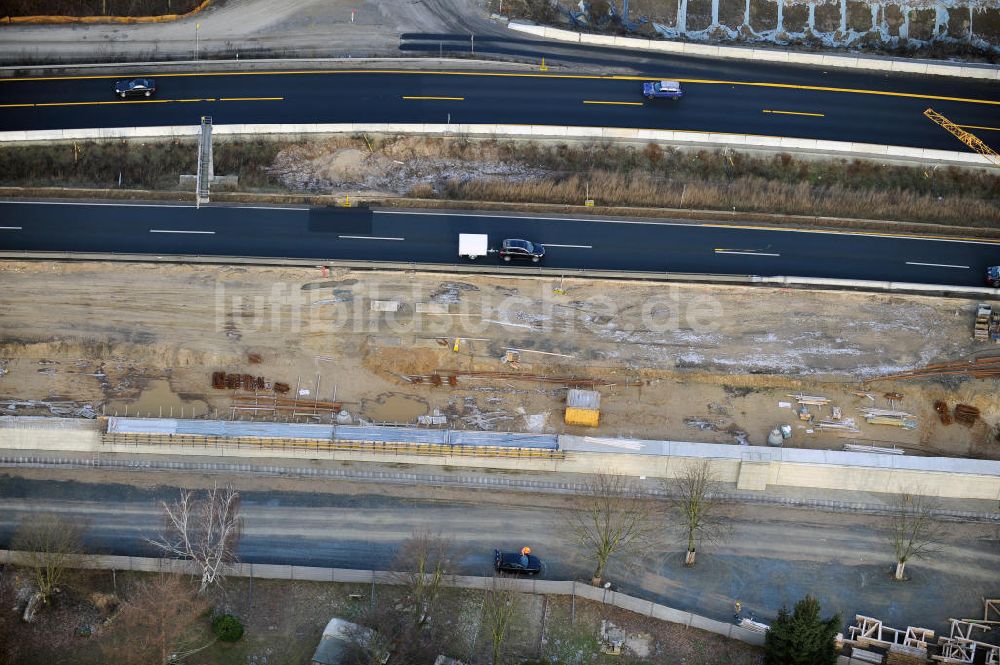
(548, 244)
(935, 265)
(178, 231)
(143, 101)
(369, 238)
(413, 98)
(989, 129)
(745, 252)
(751, 227)
(615, 77)
(594, 101)
(251, 99)
(814, 115)
(10, 228)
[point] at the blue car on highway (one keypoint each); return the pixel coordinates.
(662, 90)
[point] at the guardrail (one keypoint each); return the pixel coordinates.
(350, 576)
(538, 131)
(138, 439)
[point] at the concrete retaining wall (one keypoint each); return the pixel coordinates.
(749, 467)
(346, 575)
(539, 131)
(930, 67)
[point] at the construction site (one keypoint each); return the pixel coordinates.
(732, 364)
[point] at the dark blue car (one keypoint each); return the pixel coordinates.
(517, 563)
(662, 90)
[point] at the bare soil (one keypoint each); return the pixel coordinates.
(706, 363)
(699, 14)
(763, 15)
(96, 7)
(826, 17)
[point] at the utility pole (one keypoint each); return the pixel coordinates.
(197, 27)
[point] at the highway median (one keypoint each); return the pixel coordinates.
(553, 176)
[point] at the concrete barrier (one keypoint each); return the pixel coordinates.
(936, 68)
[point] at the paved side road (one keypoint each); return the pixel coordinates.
(310, 28)
(774, 557)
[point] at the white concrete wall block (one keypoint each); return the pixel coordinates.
(664, 45)
(840, 61)
(561, 35)
(770, 55)
(600, 40)
(632, 42)
(908, 66)
(619, 133)
(701, 49)
(527, 27)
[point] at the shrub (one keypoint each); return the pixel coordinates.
(227, 628)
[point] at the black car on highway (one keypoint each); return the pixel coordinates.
(521, 250)
(135, 88)
(517, 563)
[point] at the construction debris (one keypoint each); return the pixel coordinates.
(858, 448)
(987, 325)
(902, 419)
(967, 415)
(846, 425)
(224, 381)
(811, 400)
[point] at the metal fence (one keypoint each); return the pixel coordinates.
(351, 576)
(137, 440)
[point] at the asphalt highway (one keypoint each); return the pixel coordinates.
(424, 236)
(736, 98)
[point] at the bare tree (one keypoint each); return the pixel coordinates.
(614, 517)
(205, 529)
(50, 543)
(154, 624)
(914, 533)
(693, 498)
(423, 562)
(500, 609)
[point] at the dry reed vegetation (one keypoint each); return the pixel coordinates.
(95, 7)
(617, 175)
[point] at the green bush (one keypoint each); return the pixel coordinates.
(227, 627)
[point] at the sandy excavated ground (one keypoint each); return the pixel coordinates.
(309, 28)
(707, 362)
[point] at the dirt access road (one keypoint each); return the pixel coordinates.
(304, 28)
(686, 362)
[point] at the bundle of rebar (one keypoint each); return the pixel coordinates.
(979, 368)
(967, 415)
(942, 410)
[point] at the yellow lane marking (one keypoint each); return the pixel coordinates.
(446, 99)
(761, 84)
(814, 115)
(592, 101)
(145, 101)
(989, 129)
